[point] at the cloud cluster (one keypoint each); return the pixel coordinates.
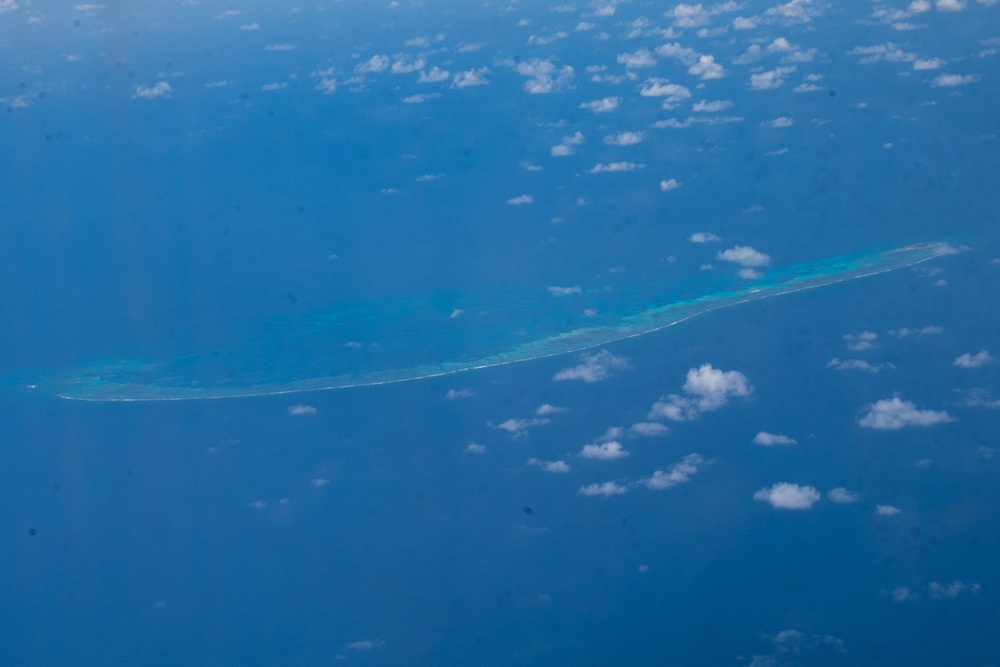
(594, 367)
(894, 413)
(707, 389)
(785, 496)
(976, 360)
(679, 473)
(744, 256)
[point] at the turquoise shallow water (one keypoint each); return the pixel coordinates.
(395, 341)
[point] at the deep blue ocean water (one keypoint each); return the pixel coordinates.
(196, 172)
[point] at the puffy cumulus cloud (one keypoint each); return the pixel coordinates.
(795, 11)
(744, 256)
(779, 122)
(624, 139)
(605, 451)
(749, 274)
(888, 52)
(903, 594)
(950, 5)
(475, 448)
(940, 591)
(406, 65)
(857, 365)
(766, 439)
(714, 106)
(550, 466)
(301, 410)
(707, 68)
(785, 496)
(928, 63)
(636, 59)
(434, 75)
(770, 79)
(673, 93)
(544, 76)
(707, 389)
(704, 237)
(669, 185)
(842, 496)
(521, 200)
(976, 360)
(606, 489)
(594, 367)
(887, 510)
(604, 105)
(907, 332)
(861, 341)
(545, 40)
(891, 414)
(679, 473)
(374, 65)
(518, 428)
(613, 167)
(548, 409)
(471, 78)
(159, 89)
(952, 80)
(647, 429)
(980, 398)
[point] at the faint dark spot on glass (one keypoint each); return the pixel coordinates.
(291, 297)
(22, 85)
(76, 23)
(527, 510)
(48, 138)
(243, 96)
(301, 209)
(32, 532)
(56, 487)
(215, 354)
(270, 113)
(130, 74)
(832, 93)
(624, 521)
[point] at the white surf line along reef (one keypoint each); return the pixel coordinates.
(145, 380)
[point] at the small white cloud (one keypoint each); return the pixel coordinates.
(561, 150)
(434, 75)
(950, 5)
(405, 65)
(928, 63)
(637, 59)
(771, 79)
(940, 591)
(749, 274)
(374, 65)
(300, 410)
(842, 496)
(319, 482)
(594, 367)
(647, 429)
(779, 122)
(624, 139)
(614, 167)
(857, 365)
(159, 89)
(744, 256)
(550, 466)
(976, 360)
(708, 389)
(707, 68)
(523, 199)
(518, 428)
(711, 107)
(470, 78)
(893, 413)
(605, 489)
(771, 439)
(861, 341)
(603, 105)
(457, 394)
(785, 496)
(280, 47)
(250, 26)
(902, 594)
(475, 448)
(555, 290)
(906, 332)
(673, 92)
(887, 510)
(605, 451)
(704, 237)
(274, 86)
(679, 473)
(952, 80)
(548, 409)
(669, 185)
